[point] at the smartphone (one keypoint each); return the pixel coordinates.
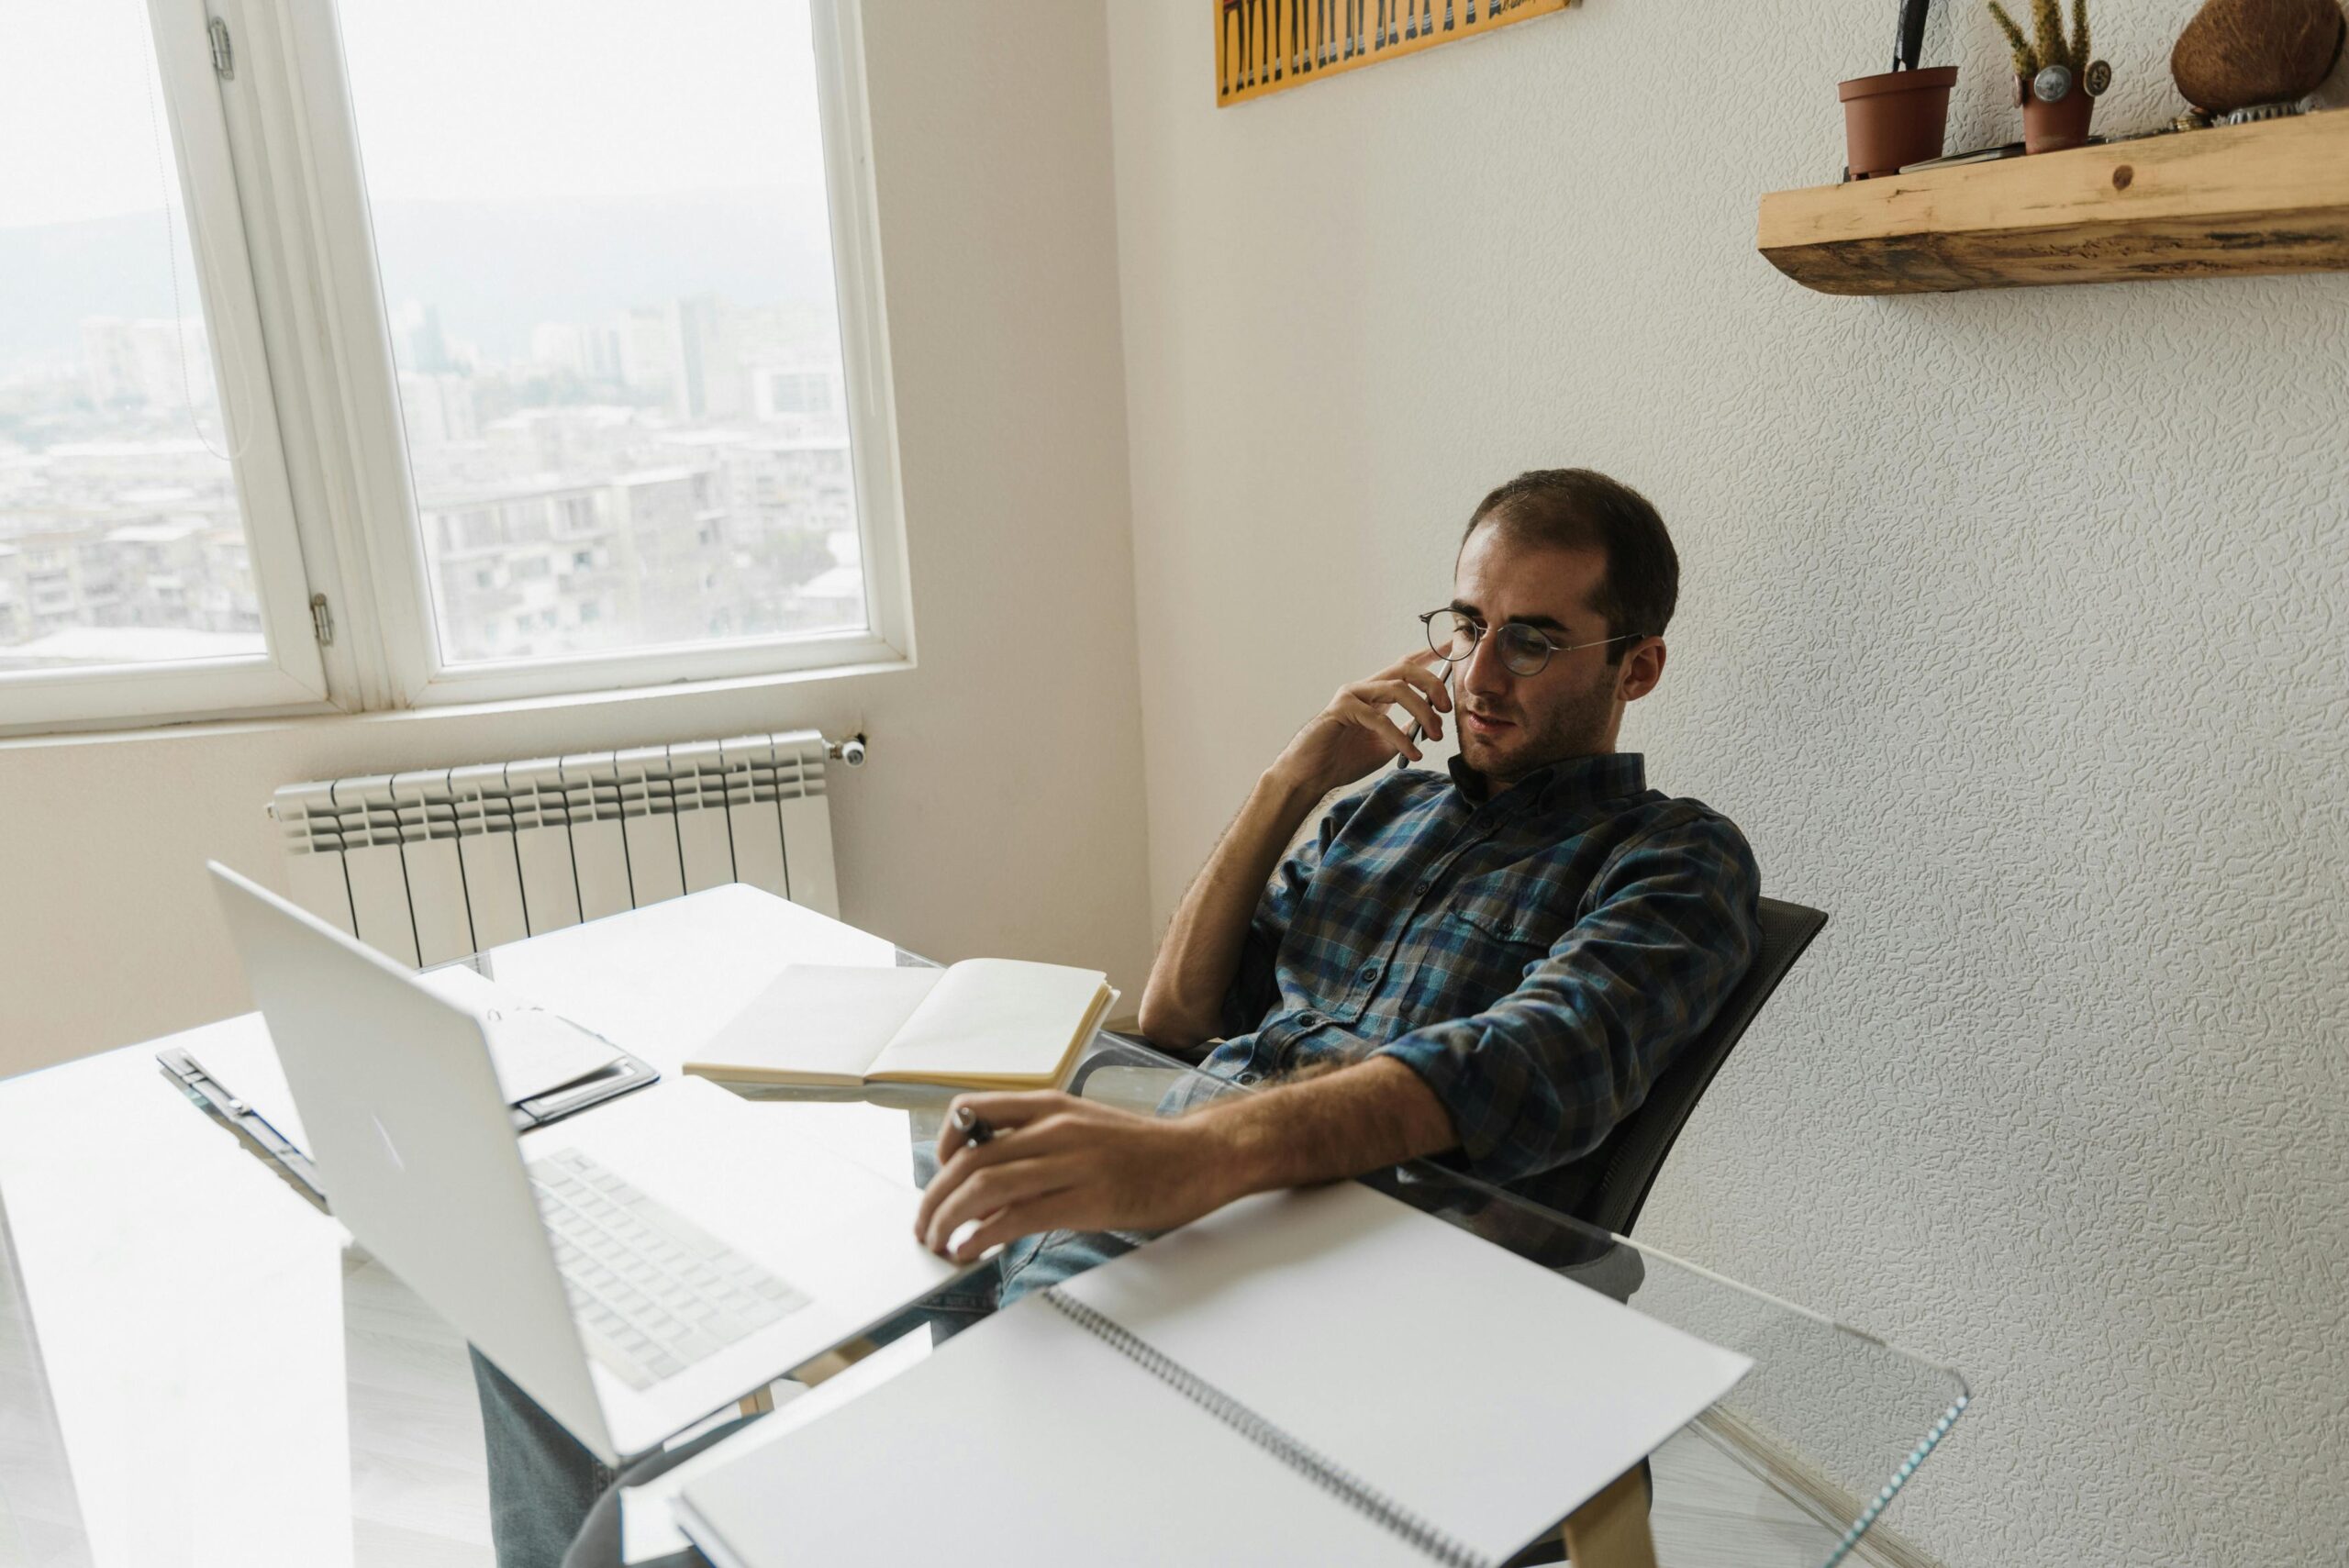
(1418, 734)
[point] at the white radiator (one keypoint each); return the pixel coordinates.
(439, 864)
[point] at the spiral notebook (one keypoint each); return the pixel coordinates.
(1324, 1375)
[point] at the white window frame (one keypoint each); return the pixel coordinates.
(278, 214)
(290, 675)
(302, 122)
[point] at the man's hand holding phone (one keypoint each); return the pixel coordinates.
(1358, 731)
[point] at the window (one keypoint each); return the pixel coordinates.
(578, 317)
(148, 559)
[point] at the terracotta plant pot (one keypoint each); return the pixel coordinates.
(1896, 119)
(2052, 128)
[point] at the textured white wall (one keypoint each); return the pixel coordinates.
(2013, 632)
(1002, 810)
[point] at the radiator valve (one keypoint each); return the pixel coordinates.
(850, 751)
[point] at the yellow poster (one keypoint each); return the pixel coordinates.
(1264, 46)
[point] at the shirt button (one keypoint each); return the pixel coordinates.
(1370, 971)
(1422, 888)
(1310, 1020)
(1247, 1078)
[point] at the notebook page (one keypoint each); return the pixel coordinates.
(1027, 1441)
(1489, 1394)
(996, 1018)
(817, 1022)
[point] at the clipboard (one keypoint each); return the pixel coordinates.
(624, 1073)
(248, 1126)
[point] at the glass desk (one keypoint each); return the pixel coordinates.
(198, 1367)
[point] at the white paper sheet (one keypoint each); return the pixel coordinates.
(1491, 1394)
(1025, 1441)
(1485, 1396)
(648, 1523)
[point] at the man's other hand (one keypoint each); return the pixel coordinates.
(1355, 734)
(1057, 1162)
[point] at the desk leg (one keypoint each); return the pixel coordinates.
(833, 1361)
(1611, 1529)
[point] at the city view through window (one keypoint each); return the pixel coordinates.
(605, 261)
(121, 539)
(673, 473)
(606, 256)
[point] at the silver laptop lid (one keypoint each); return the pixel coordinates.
(411, 1135)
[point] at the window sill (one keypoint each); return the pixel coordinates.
(99, 732)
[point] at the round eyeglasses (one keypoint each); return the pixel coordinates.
(1525, 650)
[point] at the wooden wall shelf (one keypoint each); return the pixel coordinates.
(2267, 197)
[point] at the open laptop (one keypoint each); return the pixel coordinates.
(633, 1268)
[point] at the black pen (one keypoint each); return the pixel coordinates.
(971, 1126)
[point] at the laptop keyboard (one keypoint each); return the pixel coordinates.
(652, 1292)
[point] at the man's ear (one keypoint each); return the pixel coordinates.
(1642, 669)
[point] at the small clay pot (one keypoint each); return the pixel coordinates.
(1898, 118)
(2052, 128)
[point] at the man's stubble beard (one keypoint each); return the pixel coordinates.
(1572, 726)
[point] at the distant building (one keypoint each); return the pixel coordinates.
(649, 358)
(590, 353)
(781, 392)
(427, 345)
(439, 409)
(145, 363)
(709, 382)
(637, 560)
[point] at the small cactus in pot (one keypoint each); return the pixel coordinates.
(2055, 81)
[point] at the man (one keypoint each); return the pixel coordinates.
(1488, 966)
(1496, 963)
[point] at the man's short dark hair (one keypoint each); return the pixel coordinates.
(1579, 509)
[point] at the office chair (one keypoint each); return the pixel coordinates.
(1635, 1150)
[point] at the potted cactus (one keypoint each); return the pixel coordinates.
(2055, 81)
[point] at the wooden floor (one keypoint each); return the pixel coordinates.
(419, 1492)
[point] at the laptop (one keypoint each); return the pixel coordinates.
(633, 1268)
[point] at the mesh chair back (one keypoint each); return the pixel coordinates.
(1634, 1151)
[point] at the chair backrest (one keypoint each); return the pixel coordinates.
(1634, 1151)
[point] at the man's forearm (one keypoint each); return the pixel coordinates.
(1362, 1117)
(1201, 952)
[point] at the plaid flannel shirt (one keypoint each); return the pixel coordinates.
(1536, 956)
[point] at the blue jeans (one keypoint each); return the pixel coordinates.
(555, 1505)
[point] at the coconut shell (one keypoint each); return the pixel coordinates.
(2235, 53)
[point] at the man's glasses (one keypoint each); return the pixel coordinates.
(1525, 650)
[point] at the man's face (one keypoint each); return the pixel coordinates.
(1512, 724)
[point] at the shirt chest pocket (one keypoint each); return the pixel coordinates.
(1491, 929)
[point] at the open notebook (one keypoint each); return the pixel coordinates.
(1324, 1375)
(985, 1023)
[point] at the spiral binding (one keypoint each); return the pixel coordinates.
(1380, 1508)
